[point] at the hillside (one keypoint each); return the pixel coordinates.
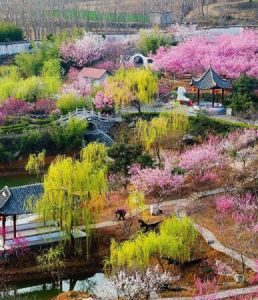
(226, 13)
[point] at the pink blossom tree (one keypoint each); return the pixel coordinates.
(242, 209)
(202, 158)
(19, 247)
(108, 64)
(79, 87)
(85, 50)
(103, 103)
(158, 181)
(230, 56)
(44, 106)
(205, 287)
(72, 74)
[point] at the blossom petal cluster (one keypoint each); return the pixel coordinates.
(228, 55)
(85, 50)
(102, 102)
(203, 157)
(154, 180)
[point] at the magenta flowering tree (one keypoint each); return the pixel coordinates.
(224, 204)
(2, 118)
(103, 102)
(158, 181)
(228, 55)
(205, 287)
(44, 106)
(19, 247)
(14, 107)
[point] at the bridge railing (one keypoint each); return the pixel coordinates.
(84, 113)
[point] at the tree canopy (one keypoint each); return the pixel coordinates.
(175, 240)
(74, 191)
(132, 87)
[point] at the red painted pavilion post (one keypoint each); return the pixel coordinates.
(14, 226)
(198, 96)
(4, 228)
(222, 96)
(213, 97)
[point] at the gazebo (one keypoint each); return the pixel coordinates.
(13, 203)
(210, 80)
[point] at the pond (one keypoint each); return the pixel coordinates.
(47, 290)
(16, 180)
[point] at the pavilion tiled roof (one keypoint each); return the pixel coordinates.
(13, 200)
(209, 80)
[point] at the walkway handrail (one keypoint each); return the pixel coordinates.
(84, 113)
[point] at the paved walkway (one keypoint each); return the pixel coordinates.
(220, 295)
(209, 236)
(161, 107)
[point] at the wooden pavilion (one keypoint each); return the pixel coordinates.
(210, 80)
(13, 203)
(26, 224)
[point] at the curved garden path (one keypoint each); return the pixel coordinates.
(220, 295)
(209, 236)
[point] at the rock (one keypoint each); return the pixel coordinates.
(238, 278)
(210, 242)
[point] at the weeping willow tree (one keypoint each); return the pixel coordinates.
(176, 240)
(132, 87)
(74, 192)
(36, 163)
(167, 129)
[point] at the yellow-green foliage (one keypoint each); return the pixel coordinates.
(51, 260)
(177, 120)
(129, 85)
(168, 127)
(73, 193)
(69, 102)
(136, 200)
(36, 163)
(95, 153)
(176, 240)
(152, 40)
(30, 89)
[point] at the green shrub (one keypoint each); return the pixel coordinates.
(204, 125)
(151, 40)
(243, 97)
(5, 155)
(70, 102)
(123, 155)
(29, 64)
(10, 32)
